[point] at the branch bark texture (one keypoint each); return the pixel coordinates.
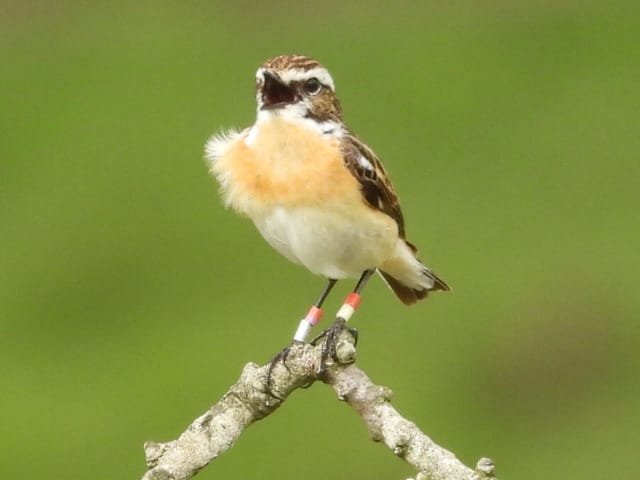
(251, 399)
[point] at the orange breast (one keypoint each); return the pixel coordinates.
(286, 164)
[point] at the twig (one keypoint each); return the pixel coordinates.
(250, 400)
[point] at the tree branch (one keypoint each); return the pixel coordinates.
(249, 400)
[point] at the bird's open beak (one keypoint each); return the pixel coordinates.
(276, 93)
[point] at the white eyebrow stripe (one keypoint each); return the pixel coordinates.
(295, 75)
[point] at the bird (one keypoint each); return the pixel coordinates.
(316, 193)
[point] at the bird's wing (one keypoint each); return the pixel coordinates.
(377, 190)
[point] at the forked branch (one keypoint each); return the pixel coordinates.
(249, 400)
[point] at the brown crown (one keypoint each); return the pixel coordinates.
(286, 62)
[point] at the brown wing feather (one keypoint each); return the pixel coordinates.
(375, 185)
(378, 192)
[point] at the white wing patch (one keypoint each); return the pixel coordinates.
(365, 163)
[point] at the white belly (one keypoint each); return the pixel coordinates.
(329, 242)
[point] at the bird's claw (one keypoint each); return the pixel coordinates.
(331, 338)
(280, 357)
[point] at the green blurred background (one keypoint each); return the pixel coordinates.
(130, 299)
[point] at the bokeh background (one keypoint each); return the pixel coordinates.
(130, 299)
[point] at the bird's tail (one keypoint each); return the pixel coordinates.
(408, 277)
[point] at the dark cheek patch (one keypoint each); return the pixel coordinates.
(325, 107)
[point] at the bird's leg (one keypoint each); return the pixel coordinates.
(331, 335)
(312, 317)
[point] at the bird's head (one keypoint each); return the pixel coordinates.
(298, 87)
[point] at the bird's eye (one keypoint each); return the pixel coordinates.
(312, 86)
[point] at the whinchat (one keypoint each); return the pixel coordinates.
(316, 193)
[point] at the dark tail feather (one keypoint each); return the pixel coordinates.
(438, 283)
(408, 295)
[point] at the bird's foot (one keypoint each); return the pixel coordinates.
(333, 349)
(280, 357)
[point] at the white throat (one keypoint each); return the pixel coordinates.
(295, 113)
